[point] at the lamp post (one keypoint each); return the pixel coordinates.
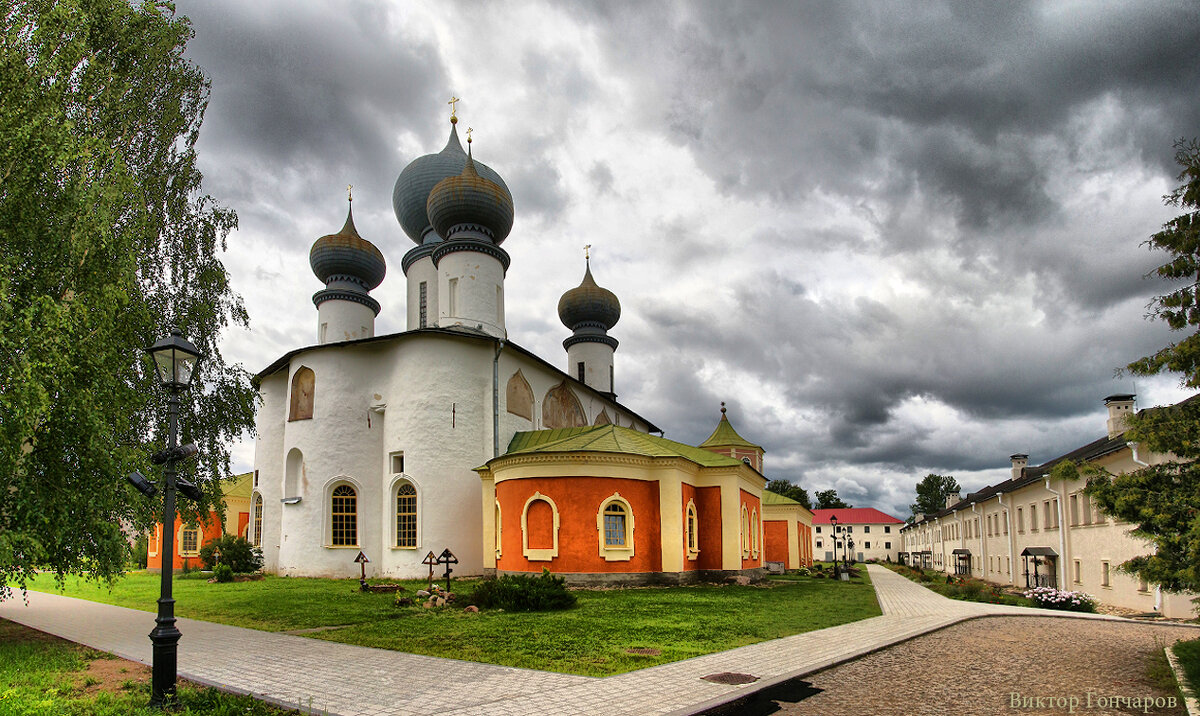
(175, 361)
(850, 549)
(833, 521)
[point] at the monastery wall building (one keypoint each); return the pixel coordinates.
(1034, 530)
(450, 436)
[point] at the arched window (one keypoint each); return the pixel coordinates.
(257, 530)
(406, 515)
(692, 528)
(754, 529)
(745, 532)
(343, 513)
(499, 529)
(303, 386)
(294, 478)
(539, 528)
(614, 522)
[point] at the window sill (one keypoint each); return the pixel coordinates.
(693, 554)
(407, 549)
(617, 554)
(342, 546)
(540, 555)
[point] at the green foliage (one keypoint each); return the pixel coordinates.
(1163, 501)
(223, 573)
(141, 548)
(106, 243)
(241, 556)
(1180, 309)
(1188, 654)
(524, 593)
(932, 492)
(828, 499)
(790, 490)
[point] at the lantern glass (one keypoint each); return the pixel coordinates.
(175, 360)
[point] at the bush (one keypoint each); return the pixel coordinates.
(235, 552)
(803, 571)
(1051, 598)
(141, 547)
(223, 573)
(524, 593)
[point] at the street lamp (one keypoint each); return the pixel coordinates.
(175, 361)
(850, 547)
(833, 521)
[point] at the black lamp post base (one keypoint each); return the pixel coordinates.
(165, 648)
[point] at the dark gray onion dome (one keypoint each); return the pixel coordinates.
(411, 193)
(470, 203)
(347, 257)
(588, 303)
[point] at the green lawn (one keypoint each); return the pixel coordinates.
(590, 639)
(40, 674)
(1188, 654)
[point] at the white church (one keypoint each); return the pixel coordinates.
(372, 443)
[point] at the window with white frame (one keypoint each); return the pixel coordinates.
(189, 541)
(406, 515)
(755, 528)
(614, 522)
(499, 529)
(258, 509)
(343, 517)
(693, 531)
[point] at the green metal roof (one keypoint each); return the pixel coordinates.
(726, 436)
(614, 439)
(770, 498)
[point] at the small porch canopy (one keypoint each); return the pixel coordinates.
(1036, 557)
(922, 559)
(962, 561)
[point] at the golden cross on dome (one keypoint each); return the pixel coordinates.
(469, 130)
(587, 252)
(453, 101)
(350, 192)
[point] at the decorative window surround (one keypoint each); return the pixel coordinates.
(691, 529)
(615, 552)
(538, 554)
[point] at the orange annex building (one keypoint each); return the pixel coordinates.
(190, 537)
(607, 504)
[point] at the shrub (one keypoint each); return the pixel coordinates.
(1051, 598)
(803, 571)
(235, 552)
(524, 593)
(141, 547)
(223, 573)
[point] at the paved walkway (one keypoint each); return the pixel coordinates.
(345, 680)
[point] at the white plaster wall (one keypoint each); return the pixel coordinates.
(476, 303)
(344, 321)
(422, 270)
(597, 361)
(269, 461)
(878, 537)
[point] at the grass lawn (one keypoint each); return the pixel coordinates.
(966, 589)
(590, 639)
(42, 674)
(1188, 654)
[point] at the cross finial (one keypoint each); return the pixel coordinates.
(453, 101)
(350, 192)
(722, 407)
(587, 248)
(469, 130)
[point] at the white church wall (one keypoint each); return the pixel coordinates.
(597, 359)
(268, 460)
(339, 320)
(471, 285)
(422, 271)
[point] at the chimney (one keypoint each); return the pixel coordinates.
(1119, 408)
(1019, 461)
(952, 499)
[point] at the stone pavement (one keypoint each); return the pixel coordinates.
(344, 680)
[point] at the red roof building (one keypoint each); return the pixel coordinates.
(863, 533)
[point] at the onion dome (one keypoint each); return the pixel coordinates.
(411, 193)
(472, 204)
(347, 259)
(588, 303)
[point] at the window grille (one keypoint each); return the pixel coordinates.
(406, 516)
(614, 525)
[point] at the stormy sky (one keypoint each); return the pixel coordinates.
(895, 239)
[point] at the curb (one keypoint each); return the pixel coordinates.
(1189, 696)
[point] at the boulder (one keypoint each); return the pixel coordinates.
(472, 609)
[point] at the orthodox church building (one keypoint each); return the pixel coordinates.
(450, 436)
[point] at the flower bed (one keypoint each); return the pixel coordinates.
(1051, 598)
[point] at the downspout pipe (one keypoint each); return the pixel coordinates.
(982, 545)
(1062, 537)
(1134, 448)
(496, 399)
(1011, 535)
